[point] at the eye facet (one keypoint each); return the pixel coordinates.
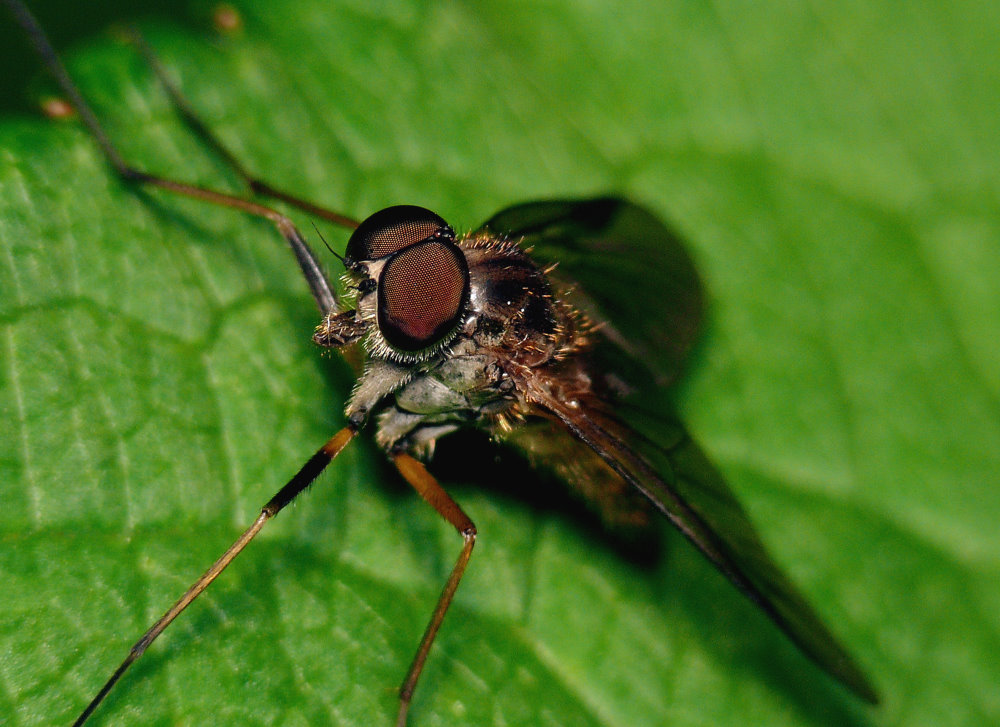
(422, 293)
(394, 228)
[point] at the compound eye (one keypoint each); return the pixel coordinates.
(392, 229)
(422, 292)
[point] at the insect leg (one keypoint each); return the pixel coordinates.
(428, 488)
(302, 479)
(208, 137)
(323, 292)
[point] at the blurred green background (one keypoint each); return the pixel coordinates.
(834, 170)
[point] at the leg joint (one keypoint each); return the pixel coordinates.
(131, 174)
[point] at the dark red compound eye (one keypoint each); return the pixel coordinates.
(392, 229)
(422, 292)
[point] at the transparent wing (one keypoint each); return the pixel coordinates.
(624, 512)
(660, 459)
(607, 249)
(604, 249)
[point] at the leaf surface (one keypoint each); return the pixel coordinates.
(834, 171)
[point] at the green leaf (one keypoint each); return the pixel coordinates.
(834, 169)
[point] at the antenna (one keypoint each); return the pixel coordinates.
(332, 251)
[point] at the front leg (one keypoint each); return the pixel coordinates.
(428, 488)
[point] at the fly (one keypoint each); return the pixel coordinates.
(511, 329)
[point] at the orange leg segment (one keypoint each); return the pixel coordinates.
(428, 488)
